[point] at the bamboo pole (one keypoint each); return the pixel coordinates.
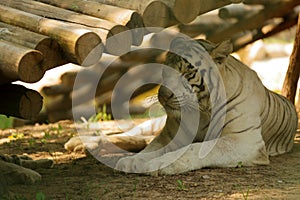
(293, 72)
(122, 16)
(50, 49)
(19, 101)
(76, 42)
(19, 63)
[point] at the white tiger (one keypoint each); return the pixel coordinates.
(257, 122)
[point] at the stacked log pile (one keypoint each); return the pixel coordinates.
(38, 35)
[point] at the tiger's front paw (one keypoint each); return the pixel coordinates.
(131, 164)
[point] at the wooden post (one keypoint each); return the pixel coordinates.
(122, 16)
(19, 63)
(50, 49)
(76, 42)
(19, 101)
(293, 72)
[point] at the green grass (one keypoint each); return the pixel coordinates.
(6, 122)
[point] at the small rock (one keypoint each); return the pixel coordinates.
(206, 177)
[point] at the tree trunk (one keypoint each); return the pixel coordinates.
(18, 101)
(125, 17)
(19, 63)
(293, 72)
(50, 49)
(76, 41)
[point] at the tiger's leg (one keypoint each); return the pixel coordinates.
(247, 148)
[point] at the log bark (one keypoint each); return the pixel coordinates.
(122, 16)
(236, 11)
(209, 5)
(19, 63)
(50, 49)
(55, 90)
(76, 42)
(261, 2)
(154, 13)
(293, 72)
(19, 101)
(103, 28)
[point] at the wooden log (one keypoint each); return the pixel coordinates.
(236, 11)
(19, 63)
(243, 40)
(61, 102)
(185, 11)
(261, 2)
(154, 13)
(293, 72)
(209, 5)
(122, 16)
(203, 24)
(50, 49)
(76, 42)
(55, 90)
(19, 101)
(103, 28)
(254, 21)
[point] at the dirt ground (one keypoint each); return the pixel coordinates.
(77, 176)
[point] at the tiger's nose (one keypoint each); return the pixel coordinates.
(164, 94)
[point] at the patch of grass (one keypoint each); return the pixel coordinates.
(246, 195)
(180, 185)
(101, 115)
(40, 196)
(6, 122)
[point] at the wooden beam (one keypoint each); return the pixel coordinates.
(76, 41)
(50, 49)
(122, 16)
(18, 101)
(19, 63)
(292, 76)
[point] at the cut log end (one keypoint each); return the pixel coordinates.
(186, 11)
(136, 25)
(89, 49)
(30, 105)
(158, 14)
(119, 40)
(30, 67)
(53, 54)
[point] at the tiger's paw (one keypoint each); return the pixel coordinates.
(131, 164)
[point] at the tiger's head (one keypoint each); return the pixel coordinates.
(189, 80)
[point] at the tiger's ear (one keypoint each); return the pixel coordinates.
(221, 51)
